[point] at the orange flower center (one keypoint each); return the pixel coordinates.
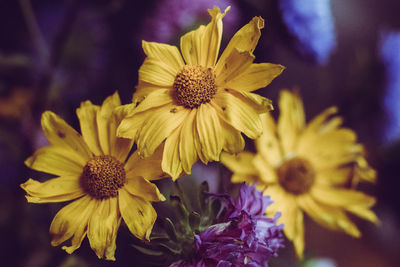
(102, 176)
(194, 85)
(296, 176)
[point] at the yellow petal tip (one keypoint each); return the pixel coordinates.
(259, 22)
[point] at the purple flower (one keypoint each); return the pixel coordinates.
(243, 237)
(311, 23)
(390, 56)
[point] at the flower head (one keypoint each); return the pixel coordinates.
(94, 170)
(243, 237)
(307, 168)
(198, 105)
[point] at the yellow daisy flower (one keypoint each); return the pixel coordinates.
(306, 168)
(197, 105)
(94, 171)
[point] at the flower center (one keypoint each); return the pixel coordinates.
(296, 176)
(194, 85)
(102, 176)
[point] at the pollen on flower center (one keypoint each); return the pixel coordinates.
(296, 176)
(194, 85)
(102, 176)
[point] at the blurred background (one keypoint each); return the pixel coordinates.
(55, 54)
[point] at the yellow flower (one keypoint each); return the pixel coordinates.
(94, 170)
(197, 105)
(307, 168)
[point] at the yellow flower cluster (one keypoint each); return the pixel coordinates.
(192, 105)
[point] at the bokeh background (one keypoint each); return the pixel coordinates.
(55, 54)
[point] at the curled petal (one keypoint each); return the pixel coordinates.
(72, 221)
(245, 39)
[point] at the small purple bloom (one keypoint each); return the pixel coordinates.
(390, 56)
(252, 201)
(311, 23)
(243, 237)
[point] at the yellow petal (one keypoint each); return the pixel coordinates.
(317, 123)
(59, 189)
(87, 113)
(107, 123)
(298, 240)
(171, 162)
(191, 44)
(140, 187)
(157, 72)
(332, 124)
(72, 221)
(291, 216)
(334, 176)
(138, 214)
(159, 126)
(234, 142)
(268, 144)
(235, 64)
(59, 133)
(364, 212)
(239, 163)
(122, 146)
(291, 120)
(103, 227)
(197, 144)
(255, 76)
(331, 149)
(168, 54)
(286, 204)
(209, 131)
(187, 149)
(353, 201)
(330, 217)
(267, 173)
(131, 125)
(259, 103)
(155, 99)
(143, 89)
(239, 115)
(341, 197)
(201, 46)
(57, 160)
(148, 168)
(245, 39)
(363, 171)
